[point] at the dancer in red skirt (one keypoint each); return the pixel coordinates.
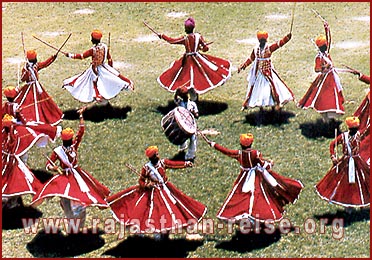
(35, 104)
(100, 82)
(362, 113)
(325, 93)
(258, 193)
(155, 205)
(265, 87)
(200, 72)
(347, 182)
(17, 178)
(76, 187)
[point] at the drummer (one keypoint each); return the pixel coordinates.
(181, 98)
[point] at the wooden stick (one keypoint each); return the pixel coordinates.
(51, 46)
(151, 29)
(52, 163)
(293, 11)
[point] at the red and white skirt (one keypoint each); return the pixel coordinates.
(341, 188)
(76, 185)
(259, 194)
(156, 209)
(200, 71)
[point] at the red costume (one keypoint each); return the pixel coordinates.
(156, 199)
(265, 87)
(194, 70)
(347, 182)
(34, 102)
(325, 93)
(258, 192)
(363, 114)
(74, 183)
(100, 80)
(17, 178)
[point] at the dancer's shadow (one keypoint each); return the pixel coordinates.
(60, 245)
(320, 129)
(346, 218)
(42, 175)
(243, 243)
(99, 113)
(19, 217)
(147, 247)
(205, 107)
(268, 117)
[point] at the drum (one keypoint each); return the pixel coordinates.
(178, 125)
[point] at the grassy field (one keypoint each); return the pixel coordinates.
(297, 142)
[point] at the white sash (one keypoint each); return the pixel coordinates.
(248, 184)
(351, 170)
(156, 175)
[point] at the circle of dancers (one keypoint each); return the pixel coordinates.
(31, 117)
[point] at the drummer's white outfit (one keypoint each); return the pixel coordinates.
(190, 146)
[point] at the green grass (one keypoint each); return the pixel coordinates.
(109, 144)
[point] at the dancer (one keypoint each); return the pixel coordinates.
(100, 82)
(17, 178)
(75, 186)
(265, 87)
(155, 205)
(363, 113)
(35, 104)
(325, 93)
(258, 193)
(197, 71)
(347, 182)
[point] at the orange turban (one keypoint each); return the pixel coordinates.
(31, 55)
(67, 134)
(246, 139)
(96, 34)
(321, 40)
(352, 122)
(151, 151)
(7, 120)
(262, 35)
(10, 92)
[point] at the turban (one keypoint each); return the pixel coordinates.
(190, 22)
(151, 151)
(10, 92)
(96, 34)
(31, 55)
(67, 134)
(262, 35)
(321, 40)
(352, 122)
(7, 120)
(246, 139)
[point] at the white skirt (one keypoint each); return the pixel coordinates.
(261, 92)
(109, 84)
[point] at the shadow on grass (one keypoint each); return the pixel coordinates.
(320, 129)
(348, 218)
(243, 243)
(268, 117)
(42, 175)
(99, 113)
(12, 218)
(146, 247)
(60, 245)
(205, 107)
